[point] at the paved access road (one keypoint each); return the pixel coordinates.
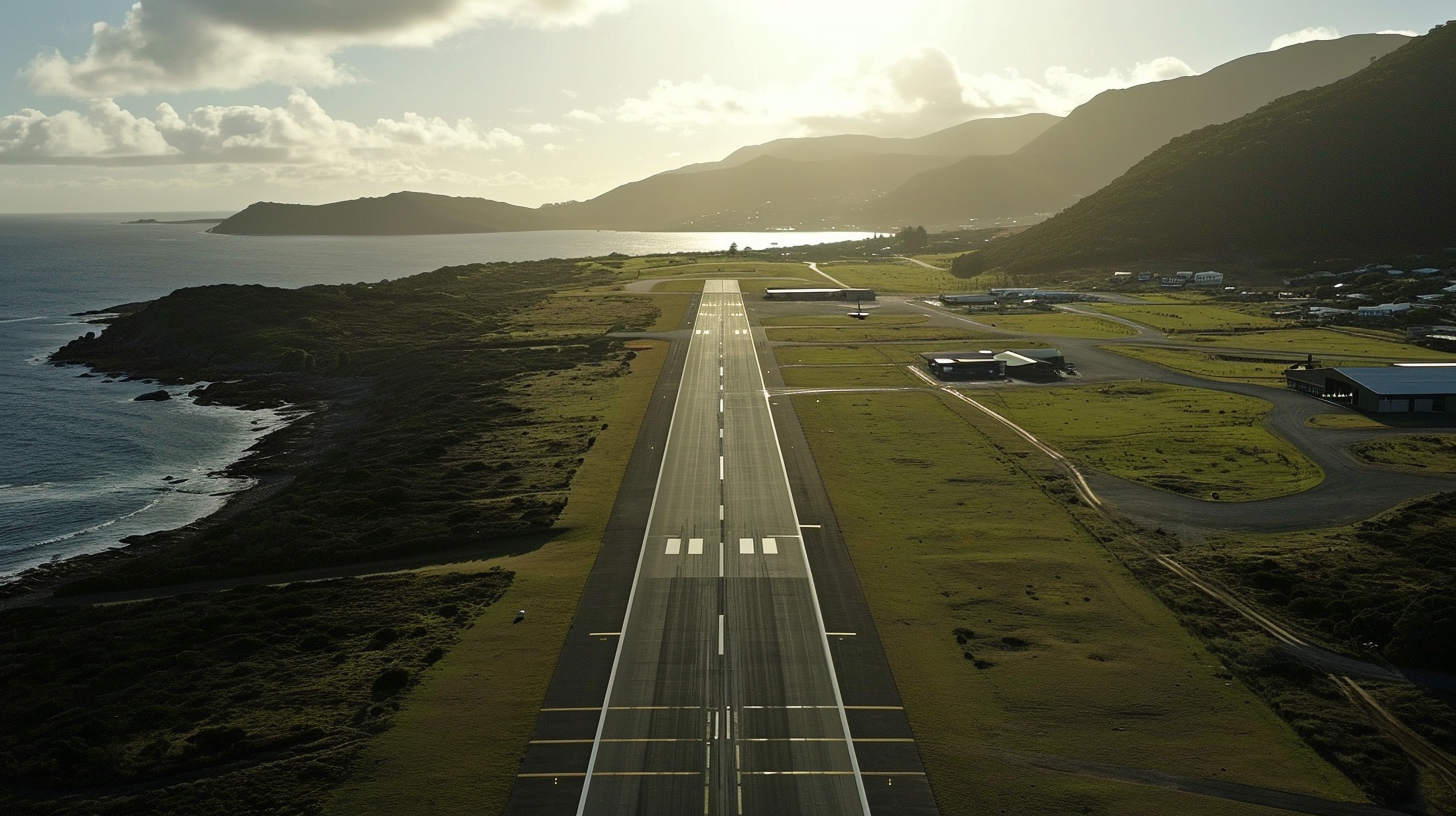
(722, 697)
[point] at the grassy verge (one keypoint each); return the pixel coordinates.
(1210, 366)
(456, 745)
(869, 332)
(896, 276)
(1012, 632)
(884, 376)
(839, 320)
(1066, 325)
(1426, 454)
(1339, 421)
(1325, 343)
(1187, 317)
(1187, 440)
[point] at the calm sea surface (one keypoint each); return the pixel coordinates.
(81, 464)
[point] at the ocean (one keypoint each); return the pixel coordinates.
(82, 465)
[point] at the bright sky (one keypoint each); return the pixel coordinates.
(180, 105)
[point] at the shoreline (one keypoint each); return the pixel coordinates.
(269, 464)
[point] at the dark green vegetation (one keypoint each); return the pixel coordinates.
(248, 701)
(1388, 584)
(1357, 167)
(433, 437)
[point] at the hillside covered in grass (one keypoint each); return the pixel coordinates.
(1359, 166)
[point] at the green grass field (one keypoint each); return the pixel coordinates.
(1325, 344)
(1188, 440)
(842, 320)
(868, 332)
(849, 376)
(896, 276)
(1204, 364)
(1064, 653)
(455, 746)
(1427, 454)
(832, 355)
(1056, 323)
(1186, 317)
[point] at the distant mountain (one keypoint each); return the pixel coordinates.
(942, 179)
(817, 182)
(1101, 139)
(978, 137)
(1361, 165)
(765, 192)
(394, 214)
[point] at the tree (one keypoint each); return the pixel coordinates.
(733, 248)
(912, 238)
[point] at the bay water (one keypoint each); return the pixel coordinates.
(83, 465)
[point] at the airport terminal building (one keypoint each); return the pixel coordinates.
(1401, 388)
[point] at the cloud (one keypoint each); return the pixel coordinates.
(907, 94)
(300, 132)
(583, 116)
(182, 45)
(1304, 35)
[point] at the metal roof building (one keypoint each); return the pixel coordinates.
(1381, 389)
(819, 294)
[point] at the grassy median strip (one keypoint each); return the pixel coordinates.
(1193, 441)
(1187, 317)
(882, 376)
(1325, 344)
(1011, 630)
(1213, 366)
(868, 332)
(1056, 323)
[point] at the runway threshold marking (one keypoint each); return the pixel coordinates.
(745, 546)
(695, 546)
(604, 634)
(770, 546)
(674, 546)
(841, 634)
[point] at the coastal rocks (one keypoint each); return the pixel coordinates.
(153, 396)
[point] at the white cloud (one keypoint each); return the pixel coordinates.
(180, 45)
(1402, 32)
(906, 94)
(300, 132)
(583, 116)
(543, 127)
(1304, 35)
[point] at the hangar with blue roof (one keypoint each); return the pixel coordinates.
(1400, 388)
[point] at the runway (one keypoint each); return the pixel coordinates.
(722, 697)
(709, 647)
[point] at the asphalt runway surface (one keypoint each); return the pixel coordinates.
(723, 625)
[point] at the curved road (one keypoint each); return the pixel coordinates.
(1351, 491)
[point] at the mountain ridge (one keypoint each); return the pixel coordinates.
(1361, 165)
(771, 186)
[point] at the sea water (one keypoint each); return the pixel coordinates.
(83, 465)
